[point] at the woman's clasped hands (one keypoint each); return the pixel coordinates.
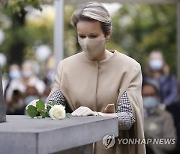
(84, 111)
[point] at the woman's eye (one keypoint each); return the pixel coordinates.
(93, 36)
(81, 36)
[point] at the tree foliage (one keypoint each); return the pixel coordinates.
(17, 33)
(139, 29)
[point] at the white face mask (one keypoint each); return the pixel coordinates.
(156, 64)
(27, 73)
(150, 102)
(92, 47)
(15, 74)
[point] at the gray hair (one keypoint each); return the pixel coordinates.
(93, 11)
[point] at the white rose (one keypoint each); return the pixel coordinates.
(57, 112)
(33, 103)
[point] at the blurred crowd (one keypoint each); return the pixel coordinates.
(23, 85)
(161, 105)
(160, 93)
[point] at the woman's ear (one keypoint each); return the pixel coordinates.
(108, 35)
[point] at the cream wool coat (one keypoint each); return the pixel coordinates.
(96, 84)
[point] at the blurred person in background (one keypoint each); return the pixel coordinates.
(158, 123)
(174, 109)
(28, 78)
(14, 74)
(158, 70)
(50, 72)
(30, 94)
(16, 105)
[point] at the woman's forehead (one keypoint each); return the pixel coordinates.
(87, 27)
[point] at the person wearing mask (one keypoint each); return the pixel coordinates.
(30, 94)
(96, 80)
(28, 78)
(158, 70)
(158, 123)
(14, 74)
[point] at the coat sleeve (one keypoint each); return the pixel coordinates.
(124, 113)
(134, 89)
(134, 92)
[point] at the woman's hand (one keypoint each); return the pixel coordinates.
(84, 111)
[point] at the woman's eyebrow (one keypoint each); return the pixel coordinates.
(91, 34)
(80, 34)
(94, 33)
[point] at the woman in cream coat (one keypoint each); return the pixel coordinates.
(88, 82)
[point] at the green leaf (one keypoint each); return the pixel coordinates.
(40, 105)
(43, 114)
(47, 114)
(48, 107)
(32, 111)
(68, 115)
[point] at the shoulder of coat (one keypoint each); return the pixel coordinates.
(128, 61)
(74, 57)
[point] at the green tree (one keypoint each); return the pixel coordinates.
(139, 29)
(17, 35)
